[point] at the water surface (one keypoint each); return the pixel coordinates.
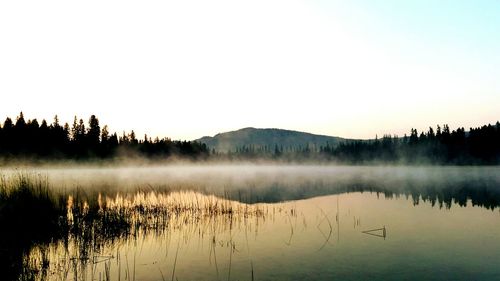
(275, 223)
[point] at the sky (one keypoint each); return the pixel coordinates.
(186, 69)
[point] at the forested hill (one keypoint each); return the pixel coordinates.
(29, 139)
(477, 146)
(266, 138)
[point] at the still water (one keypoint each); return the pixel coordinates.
(274, 223)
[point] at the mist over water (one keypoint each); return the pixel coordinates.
(265, 222)
(275, 183)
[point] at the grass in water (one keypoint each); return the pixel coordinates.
(34, 214)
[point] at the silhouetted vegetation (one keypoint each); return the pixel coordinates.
(482, 193)
(29, 215)
(477, 146)
(34, 214)
(29, 138)
(266, 139)
(441, 146)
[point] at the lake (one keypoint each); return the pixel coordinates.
(252, 222)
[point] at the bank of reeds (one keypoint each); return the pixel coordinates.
(33, 215)
(29, 215)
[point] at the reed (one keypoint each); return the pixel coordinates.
(83, 223)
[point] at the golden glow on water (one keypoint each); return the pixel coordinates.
(69, 207)
(208, 238)
(177, 202)
(155, 219)
(319, 223)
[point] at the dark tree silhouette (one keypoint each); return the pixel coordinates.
(32, 139)
(93, 133)
(477, 146)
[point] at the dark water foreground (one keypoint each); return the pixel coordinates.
(251, 223)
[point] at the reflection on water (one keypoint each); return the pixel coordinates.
(103, 244)
(350, 236)
(376, 224)
(270, 184)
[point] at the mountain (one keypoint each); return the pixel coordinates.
(230, 141)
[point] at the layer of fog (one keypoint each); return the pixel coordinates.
(274, 183)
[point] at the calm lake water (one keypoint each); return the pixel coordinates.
(272, 223)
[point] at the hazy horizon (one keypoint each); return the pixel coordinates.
(140, 136)
(185, 70)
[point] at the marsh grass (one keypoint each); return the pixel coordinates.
(81, 224)
(29, 215)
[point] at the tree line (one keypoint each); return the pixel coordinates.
(30, 138)
(477, 146)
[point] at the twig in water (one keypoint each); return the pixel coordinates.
(327, 239)
(251, 264)
(371, 232)
(162, 277)
(175, 260)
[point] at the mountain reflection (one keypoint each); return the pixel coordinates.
(87, 233)
(483, 193)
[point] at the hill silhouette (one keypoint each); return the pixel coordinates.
(269, 137)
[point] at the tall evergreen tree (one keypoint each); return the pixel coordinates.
(93, 133)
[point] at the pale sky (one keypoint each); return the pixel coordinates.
(185, 69)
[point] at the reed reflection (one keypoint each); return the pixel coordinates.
(154, 233)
